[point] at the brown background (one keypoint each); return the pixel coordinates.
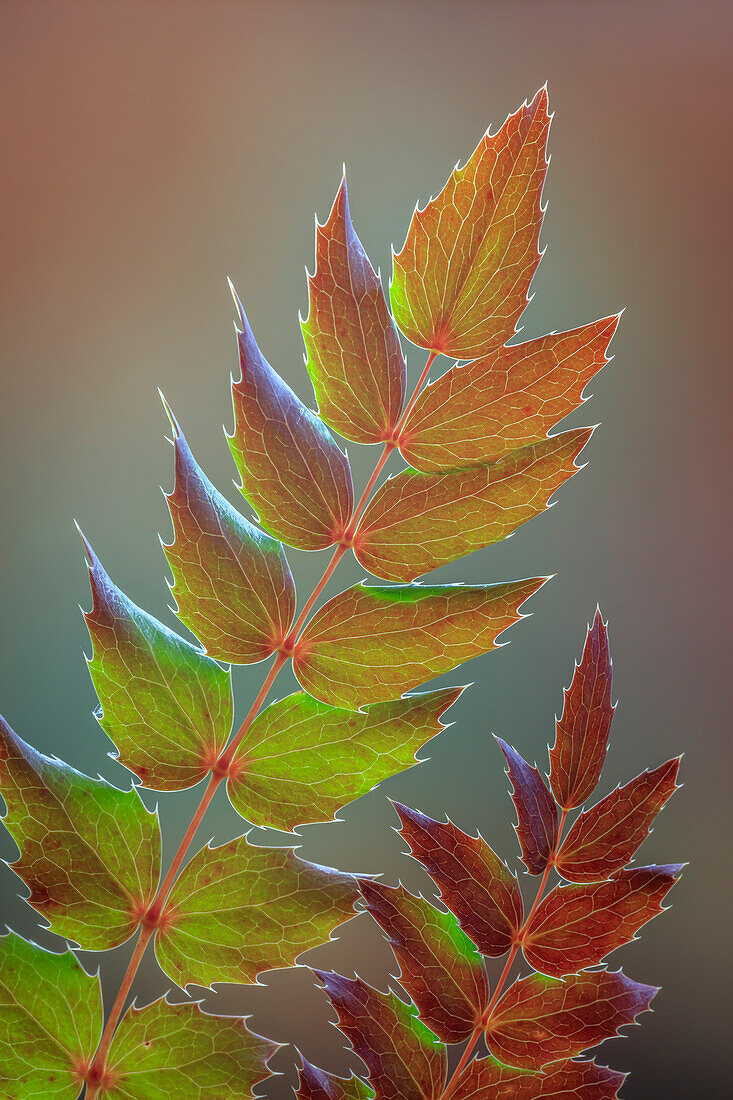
(151, 149)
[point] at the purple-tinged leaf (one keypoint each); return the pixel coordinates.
(316, 1084)
(293, 474)
(577, 926)
(486, 1079)
(541, 1020)
(604, 838)
(417, 522)
(402, 1055)
(371, 643)
(354, 356)
(231, 582)
(581, 732)
(537, 820)
(474, 883)
(440, 968)
(476, 413)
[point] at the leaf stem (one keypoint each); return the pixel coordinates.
(219, 772)
(452, 1084)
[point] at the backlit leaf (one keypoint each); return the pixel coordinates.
(478, 412)
(165, 1051)
(89, 853)
(486, 1079)
(402, 1055)
(581, 733)
(167, 707)
(302, 760)
(474, 883)
(371, 643)
(50, 1022)
(577, 926)
(537, 820)
(541, 1020)
(237, 910)
(418, 522)
(316, 1084)
(354, 356)
(604, 838)
(440, 968)
(461, 279)
(293, 474)
(232, 585)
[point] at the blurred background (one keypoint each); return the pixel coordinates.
(150, 150)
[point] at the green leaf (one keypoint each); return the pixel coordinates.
(89, 853)
(371, 643)
(461, 279)
(354, 356)
(232, 584)
(440, 968)
(237, 910)
(403, 1056)
(50, 1022)
(478, 412)
(293, 474)
(417, 522)
(315, 1084)
(302, 760)
(168, 1051)
(167, 707)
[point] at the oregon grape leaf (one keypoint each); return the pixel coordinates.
(537, 820)
(487, 1078)
(316, 1084)
(474, 883)
(371, 643)
(354, 356)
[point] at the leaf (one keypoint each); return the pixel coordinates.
(166, 706)
(541, 1020)
(577, 926)
(440, 968)
(486, 1079)
(476, 413)
(176, 1050)
(461, 279)
(232, 584)
(89, 853)
(474, 883)
(50, 1021)
(354, 356)
(293, 474)
(604, 838)
(302, 760)
(371, 643)
(417, 522)
(581, 733)
(238, 910)
(537, 821)
(402, 1055)
(316, 1084)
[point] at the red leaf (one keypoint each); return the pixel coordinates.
(403, 1056)
(604, 838)
(474, 883)
(354, 356)
(476, 413)
(232, 584)
(488, 1080)
(581, 734)
(373, 642)
(577, 926)
(293, 474)
(440, 969)
(418, 522)
(316, 1084)
(461, 279)
(541, 1020)
(537, 822)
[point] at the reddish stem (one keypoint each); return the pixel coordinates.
(452, 1084)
